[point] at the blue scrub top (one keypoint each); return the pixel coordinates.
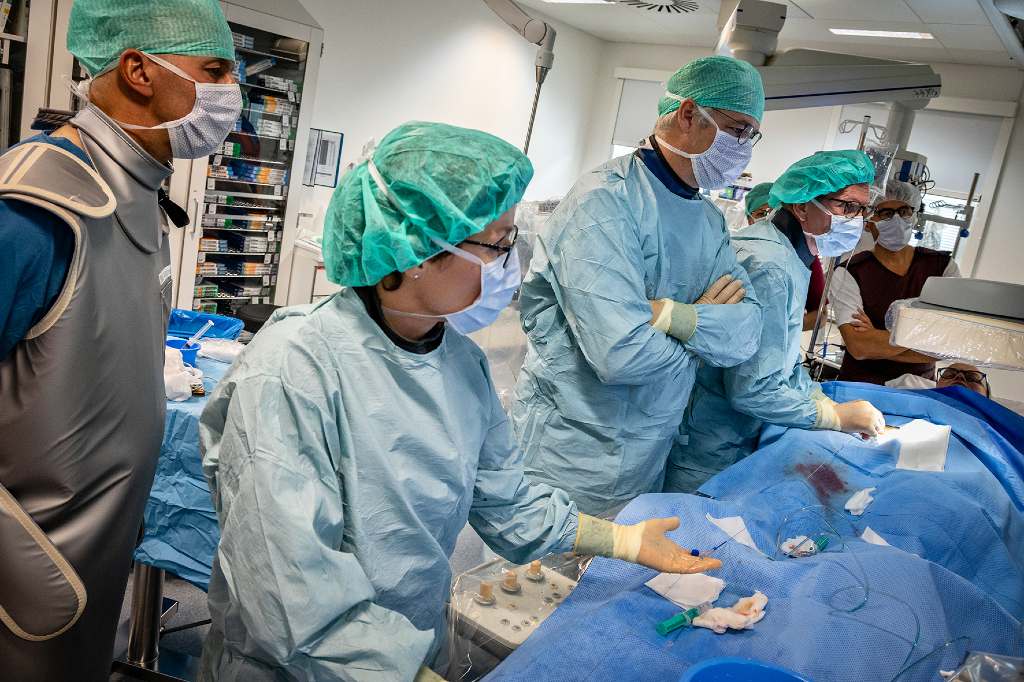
(36, 248)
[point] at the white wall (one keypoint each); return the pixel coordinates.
(390, 61)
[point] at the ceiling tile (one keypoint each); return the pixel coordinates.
(967, 37)
(949, 12)
(869, 10)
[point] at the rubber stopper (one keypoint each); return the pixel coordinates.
(694, 552)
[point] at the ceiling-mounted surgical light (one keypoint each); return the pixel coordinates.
(882, 34)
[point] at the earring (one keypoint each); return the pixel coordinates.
(415, 276)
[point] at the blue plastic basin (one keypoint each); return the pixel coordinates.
(734, 669)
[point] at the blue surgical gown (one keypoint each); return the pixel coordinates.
(728, 406)
(342, 469)
(602, 393)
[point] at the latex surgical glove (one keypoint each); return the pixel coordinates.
(644, 544)
(678, 320)
(857, 416)
(425, 674)
(723, 291)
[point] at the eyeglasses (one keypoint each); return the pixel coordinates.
(886, 213)
(747, 133)
(759, 213)
(850, 209)
(972, 376)
(507, 250)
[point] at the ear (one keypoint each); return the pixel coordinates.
(684, 115)
(799, 211)
(131, 68)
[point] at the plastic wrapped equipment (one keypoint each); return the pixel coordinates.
(492, 611)
(982, 667)
(185, 323)
(972, 339)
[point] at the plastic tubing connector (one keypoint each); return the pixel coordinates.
(680, 620)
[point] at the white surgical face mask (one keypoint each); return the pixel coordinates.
(203, 129)
(895, 233)
(722, 163)
(842, 236)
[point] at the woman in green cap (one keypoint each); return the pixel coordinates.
(349, 443)
(820, 201)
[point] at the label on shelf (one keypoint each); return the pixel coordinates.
(291, 145)
(266, 300)
(266, 280)
(291, 96)
(273, 280)
(201, 257)
(277, 190)
(284, 145)
(217, 159)
(266, 259)
(256, 299)
(277, 257)
(211, 184)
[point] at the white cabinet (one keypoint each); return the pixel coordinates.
(308, 282)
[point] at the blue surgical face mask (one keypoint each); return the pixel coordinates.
(841, 237)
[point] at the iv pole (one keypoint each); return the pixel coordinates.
(538, 33)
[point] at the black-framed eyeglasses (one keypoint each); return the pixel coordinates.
(747, 134)
(507, 250)
(972, 376)
(886, 213)
(850, 209)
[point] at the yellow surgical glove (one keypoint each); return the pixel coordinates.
(644, 544)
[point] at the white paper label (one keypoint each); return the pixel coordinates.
(266, 280)
(266, 259)
(273, 280)
(217, 159)
(210, 184)
(201, 258)
(291, 96)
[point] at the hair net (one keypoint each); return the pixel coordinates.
(449, 182)
(100, 30)
(757, 197)
(719, 82)
(897, 190)
(821, 173)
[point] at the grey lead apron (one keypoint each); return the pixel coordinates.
(82, 407)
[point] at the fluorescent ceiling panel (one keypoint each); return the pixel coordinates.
(881, 34)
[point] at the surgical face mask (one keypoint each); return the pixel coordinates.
(894, 233)
(498, 283)
(842, 236)
(213, 116)
(722, 163)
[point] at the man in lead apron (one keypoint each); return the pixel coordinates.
(85, 286)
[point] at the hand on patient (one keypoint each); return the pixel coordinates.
(644, 543)
(661, 554)
(860, 416)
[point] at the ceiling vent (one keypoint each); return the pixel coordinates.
(670, 6)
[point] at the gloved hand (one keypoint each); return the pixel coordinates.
(644, 544)
(723, 291)
(857, 416)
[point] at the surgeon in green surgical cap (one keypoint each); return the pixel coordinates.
(602, 392)
(820, 201)
(349, 443)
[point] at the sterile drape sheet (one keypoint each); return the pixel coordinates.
(955, 564)
(181, 525)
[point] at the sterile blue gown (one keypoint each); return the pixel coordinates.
(342, 469)
(602, 393)
(729, 406)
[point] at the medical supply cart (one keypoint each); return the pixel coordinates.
(243, 201)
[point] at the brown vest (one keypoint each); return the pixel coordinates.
(879, 288)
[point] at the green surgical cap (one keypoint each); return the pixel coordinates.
(719, 82)
(819, 174)
(450, 183)
(757, 197)
(100, 30)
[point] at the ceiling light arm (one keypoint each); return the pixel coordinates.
(538, 33)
